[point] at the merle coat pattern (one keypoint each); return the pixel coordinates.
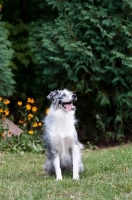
(62, 145)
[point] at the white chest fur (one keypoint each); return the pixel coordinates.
(60, 123)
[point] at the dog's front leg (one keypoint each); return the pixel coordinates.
(57, 167)
(75, 158)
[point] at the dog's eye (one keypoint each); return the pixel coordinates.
(64, 95)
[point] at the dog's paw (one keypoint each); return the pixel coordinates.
(58, 178)
(76, 177)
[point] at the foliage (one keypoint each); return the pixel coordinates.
(22, 58)
(6, 54)
(106, 175)
(18, 15)
(88, 48)
(85, 46)
(30, 138)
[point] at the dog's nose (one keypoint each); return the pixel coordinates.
(74, 96)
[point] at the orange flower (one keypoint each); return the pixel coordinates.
(6, 112)
(29, 100)
(21, 121)
(28, 107)
(35, 124)
(0, 98)
(40, 124)
(19, 103)
(1, 110)
(32, 100)
(34, 109)
(30, 116)
(6, 101)
(47, 111)
(2, 135)
(31, 132)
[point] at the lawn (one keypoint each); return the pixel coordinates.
(107, 176)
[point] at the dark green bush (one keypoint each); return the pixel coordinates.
(88, 48)
(6, 54)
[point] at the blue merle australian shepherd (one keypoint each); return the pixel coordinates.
(60, 136)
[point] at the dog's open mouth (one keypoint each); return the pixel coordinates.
(68, 106)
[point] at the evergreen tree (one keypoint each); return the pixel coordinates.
(88, 48)
(6, 54)
(18, 15)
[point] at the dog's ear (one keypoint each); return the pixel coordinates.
(52, 94)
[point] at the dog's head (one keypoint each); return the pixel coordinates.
(63, 99)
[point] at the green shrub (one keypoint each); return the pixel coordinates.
(88, 48)
(6, 53)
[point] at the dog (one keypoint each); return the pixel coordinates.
(63, 149)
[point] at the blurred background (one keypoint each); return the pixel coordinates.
(85, 46)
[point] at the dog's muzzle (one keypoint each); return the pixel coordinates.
(68, 105)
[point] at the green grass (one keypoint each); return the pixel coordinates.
(107, 176)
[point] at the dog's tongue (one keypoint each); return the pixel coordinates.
(69, 107)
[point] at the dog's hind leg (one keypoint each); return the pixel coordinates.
(75, 158)
(48, 167)
(57, 167)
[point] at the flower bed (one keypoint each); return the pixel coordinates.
(26, 135)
